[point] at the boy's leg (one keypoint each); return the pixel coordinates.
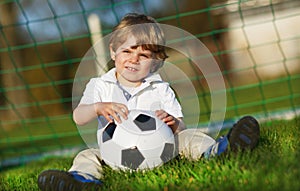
(192, 143)
(84, 174)
(88, 164)
(243, 135)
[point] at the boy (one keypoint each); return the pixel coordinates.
(137, 49)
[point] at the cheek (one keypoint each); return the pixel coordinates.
(118, 65)
(119, 61)
(147, 65)
(147, 69)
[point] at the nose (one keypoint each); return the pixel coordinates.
(134, 58)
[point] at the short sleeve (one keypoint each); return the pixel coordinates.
(169, 101)
(90, 94)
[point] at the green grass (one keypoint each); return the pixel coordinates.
(273, 165)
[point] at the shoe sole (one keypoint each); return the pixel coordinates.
(245, 134)
(55, 180)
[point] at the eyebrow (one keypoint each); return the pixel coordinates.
(143, 48)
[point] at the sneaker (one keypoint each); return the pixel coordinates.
(218, 148)
(56, 180)
(244, 134)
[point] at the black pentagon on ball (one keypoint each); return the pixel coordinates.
(108, 132)
(168, 152)
(145, 122)
(132, 158)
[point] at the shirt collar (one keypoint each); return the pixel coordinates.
(110, 76)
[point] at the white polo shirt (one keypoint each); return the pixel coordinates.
(153, 94)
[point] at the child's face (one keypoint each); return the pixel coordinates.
(132, 63)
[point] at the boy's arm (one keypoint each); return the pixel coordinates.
(84, 113)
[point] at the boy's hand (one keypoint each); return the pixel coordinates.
(111, 109)
(170, 120)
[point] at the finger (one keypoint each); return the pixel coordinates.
(168, 118)
(113, 113)
(108, 118)
(124, 108)
(161, 114)
(170, 123)
(173, 121)
(123, 111)
(116, 117)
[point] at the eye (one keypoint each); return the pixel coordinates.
(145, 55)
(126, 51)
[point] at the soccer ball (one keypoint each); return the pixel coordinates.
(141, 142)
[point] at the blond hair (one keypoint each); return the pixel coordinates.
(147, 33)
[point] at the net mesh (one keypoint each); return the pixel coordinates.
(42, 42)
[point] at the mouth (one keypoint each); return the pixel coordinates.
(131, 69)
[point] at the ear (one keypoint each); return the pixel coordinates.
(112, 53)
